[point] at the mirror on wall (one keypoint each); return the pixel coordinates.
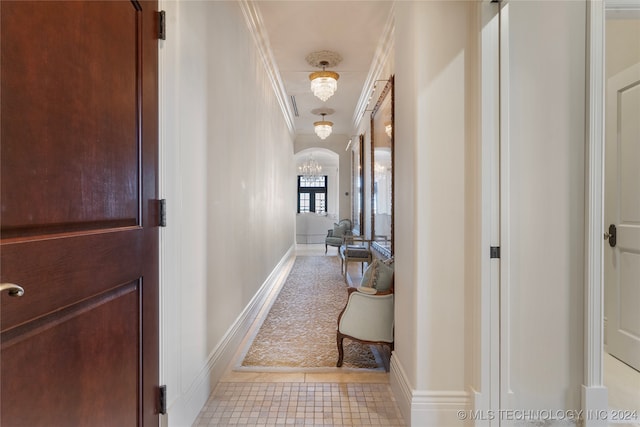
(382, 172)
(357, 186)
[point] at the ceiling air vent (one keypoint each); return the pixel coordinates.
(294, 105)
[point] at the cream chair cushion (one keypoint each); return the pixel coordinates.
(368, 317)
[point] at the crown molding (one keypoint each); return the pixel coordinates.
(622, 9)
(254, 21)
(384, 49)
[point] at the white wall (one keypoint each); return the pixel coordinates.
(543, 222)
(436, 206)
(437, 222)
(227, 158)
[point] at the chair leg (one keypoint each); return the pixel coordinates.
(325, 248)
(386, 360)
(340, 339)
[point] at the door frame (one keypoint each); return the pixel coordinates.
(486, 392)
(594, 392)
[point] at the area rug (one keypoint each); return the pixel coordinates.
(300, 328)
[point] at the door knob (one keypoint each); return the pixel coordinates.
(14, 290)
(611, 236)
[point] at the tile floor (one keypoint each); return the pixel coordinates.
(300, 404)
(623, 389)
(345, 397)
(332, 397)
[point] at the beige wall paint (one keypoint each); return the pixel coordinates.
(437, 203)
(437, 200)
(543, 145)
(227, 176)
(437, 211)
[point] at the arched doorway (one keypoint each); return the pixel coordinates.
(317, 193)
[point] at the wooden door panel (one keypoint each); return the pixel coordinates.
(82, 344)
(78, 223)
(72, 140)
(114, 254)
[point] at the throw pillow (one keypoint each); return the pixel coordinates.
(378, 276)
(339, 230)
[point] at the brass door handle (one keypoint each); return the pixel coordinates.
(14, 290)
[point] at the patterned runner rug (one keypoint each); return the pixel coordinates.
(300, 329)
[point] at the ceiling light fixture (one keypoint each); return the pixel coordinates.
(324, 83)
(323, 127)
(310, 168)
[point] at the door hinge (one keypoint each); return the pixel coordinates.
(162, 25)
(495, 252)
(162, 212)
(162, 400)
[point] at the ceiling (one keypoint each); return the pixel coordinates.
(295, 28)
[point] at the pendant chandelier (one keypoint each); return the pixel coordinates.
(323, 127)
(310, 168)
(324, 83)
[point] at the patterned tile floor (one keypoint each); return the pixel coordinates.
(335, 397)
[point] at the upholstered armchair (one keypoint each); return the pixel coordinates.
(368, 315)
(335, 237)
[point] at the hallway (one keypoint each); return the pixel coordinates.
(337, 397)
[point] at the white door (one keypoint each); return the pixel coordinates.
(622, 209)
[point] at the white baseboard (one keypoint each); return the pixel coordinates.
(400, 388)
(595, 401)
(479, 404)
(429, 408)
(185, 409)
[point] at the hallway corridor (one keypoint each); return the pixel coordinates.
(330, 397)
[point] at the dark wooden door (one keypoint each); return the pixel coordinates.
(78, 169)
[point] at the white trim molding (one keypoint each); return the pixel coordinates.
(385, 47)
(594, 394)
(255, 24)
(622, 9)
(428, 408)
(594, 201)
(184, 410)
(485, 392)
